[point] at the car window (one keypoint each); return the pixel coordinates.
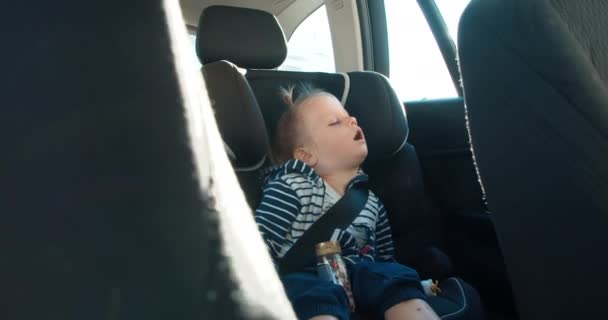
(194, 57)
(417, 68)
(451, 10)
(310, 48)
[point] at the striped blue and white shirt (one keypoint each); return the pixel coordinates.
(295, 197)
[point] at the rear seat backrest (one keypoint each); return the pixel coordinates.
(392, 164)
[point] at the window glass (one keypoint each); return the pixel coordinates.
(194, 57)
(310, 48)
(451, 10)
(417, 68)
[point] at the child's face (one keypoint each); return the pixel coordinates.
(333, 140)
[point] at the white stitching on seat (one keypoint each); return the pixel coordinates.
(252, 168)
(464, 299)
(229, 151)
(346, 87)
(401, 146)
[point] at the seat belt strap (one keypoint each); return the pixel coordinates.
(339, 216)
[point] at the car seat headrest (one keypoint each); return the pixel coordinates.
(366, 95)
(249, 38)
(238, 116)
(379, 112)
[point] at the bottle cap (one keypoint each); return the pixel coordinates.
(328, 247)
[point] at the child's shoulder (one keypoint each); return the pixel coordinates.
(293, 173)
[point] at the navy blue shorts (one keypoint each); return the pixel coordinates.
(376, 286)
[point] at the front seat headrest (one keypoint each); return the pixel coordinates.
(249, 38)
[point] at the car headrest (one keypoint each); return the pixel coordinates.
(366, 95)
(380, 113)
(238, 116)
(249, 38)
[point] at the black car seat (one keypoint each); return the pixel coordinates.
(253, 40)
(117, 200)
(535, 75)
(392, 163)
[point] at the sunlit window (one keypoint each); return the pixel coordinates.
(310, 48)
(193, 56)
(451, 10)
(417, 68)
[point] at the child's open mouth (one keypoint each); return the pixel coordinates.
(359, 135)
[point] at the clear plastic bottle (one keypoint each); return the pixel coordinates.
(331, 267)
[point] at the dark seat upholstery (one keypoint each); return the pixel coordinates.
(113, 181)
(535, 74)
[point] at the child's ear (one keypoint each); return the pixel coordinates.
(306, 156)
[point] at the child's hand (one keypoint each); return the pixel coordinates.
(431, 287)
(435, 287)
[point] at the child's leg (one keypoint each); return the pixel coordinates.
(388, 290)
(324, 318)
(314, 298)
(415, 309)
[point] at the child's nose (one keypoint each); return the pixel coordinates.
(353, 121)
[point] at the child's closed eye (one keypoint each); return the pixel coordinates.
(334, 123)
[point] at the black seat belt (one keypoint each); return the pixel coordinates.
(339, 216)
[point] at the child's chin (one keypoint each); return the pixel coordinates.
(361, 157)
(364, 152)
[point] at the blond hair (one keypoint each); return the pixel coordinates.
(288, 133)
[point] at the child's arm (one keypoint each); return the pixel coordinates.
(384, 240)
(277, 210)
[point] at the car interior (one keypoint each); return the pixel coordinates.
(135, 137)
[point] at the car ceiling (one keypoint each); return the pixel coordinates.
(192, 8)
